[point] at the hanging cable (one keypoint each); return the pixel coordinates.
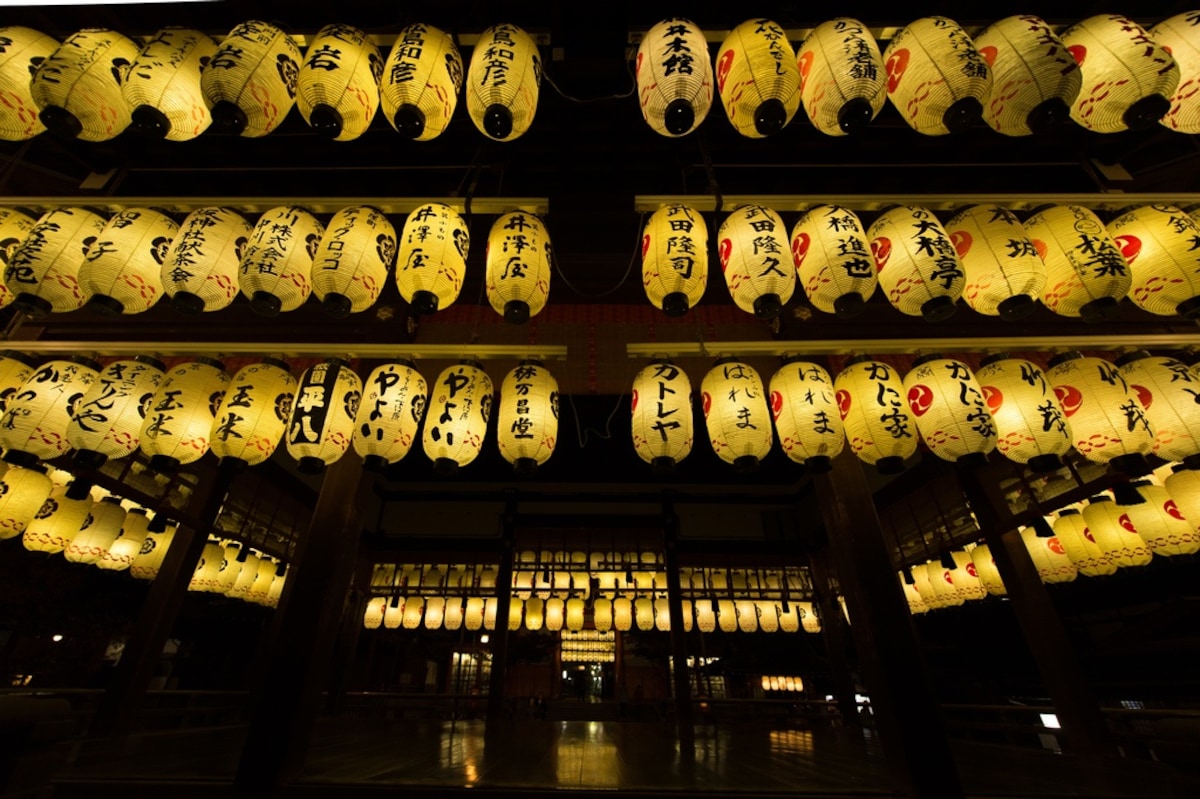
(628, 269)
(581, 433)
(586, 100)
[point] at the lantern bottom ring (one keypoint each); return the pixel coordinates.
(337, 305)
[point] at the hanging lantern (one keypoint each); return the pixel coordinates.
(34, 426)
(1086, 274)
(736, 414)
(453, 618)
(804, 407)
(200, 272)
(936, 78)
(602, 615)
(250, 84)
(662, 415)
(352, 261)
(941, 581)
(966, 579)
(43, 270)
(262, 581)
(662, 615)
(107, 420)
(1160, 522)
(337, 89)
(1031, 427)
(768, 616)
(208, 567)
(985, 569)
(1004, 273)
(871, 401)
(275, 592)
(924, 587)
(162, 88)
(394, 400)
(22, 494)
(842, 77)
(149, 559)
(516, 608)
(1071, 530)
(1177, 36)
(15, 369)
(474, 613)
(122, 270)
(1113, 530)
(78, 87)
(177, 426)
(252, 418)
(519, 263)
(421, 82)
(554, 614)
(502, 82)
(758, 79)
(275, 270)
(1048, 553)
(1170, 396)
(461, 404)
(675, 259)
(1034, 78)
(435, 612)
(916, 604)
(128, 544)
(726, 616)
(575, 610)
(15, 226)
(534, 614)
(674, 77)
(833, 260)
(432, 261)
(22, 51)
(392, 613)
(950, 410)
(373, 615)
(322, 419)
(527, 426)
(789, 617)
(62, 515)
(1183, 484)
(752, 251)
(747, 615)
(918, 267)
(247, 573)
(1158, 242)
(1128, 78)
(706, 619)
(228, 571)
(491, 606)
(810, 622)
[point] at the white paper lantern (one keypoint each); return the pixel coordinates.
(1183, 484)
(34, 425)
(22, 494)
(804, 407)
(267, 568)
(43, 270)
(435, 612)
(674, 77)
(727, 620)
(337, 90)
(122, 270)
(516, 609)
(736, 414)
(460, 406)
(275, 591)
(1086, 275)
(120, 554)
(1107, 418)
(662, 424)
(1034, 78)
(1004, 273)
(253, 416)
(919, 270)
(107, 421)
(180, 420)
(1171, 398)
(752, 245)
(247, 573)
(394, 399)
(1031, 427)
(950, 410)
(15, 226)
(1049, 555)
(527, 425)
(474, 613)
(149, 560)
(15, 369)
(936, 78)
(208, 567)
(250, 84)
(878, 425)
(675, 258)
(54, 527)
(916, 603)
(1178, 36)
(228, 571)
(842, 77)
(421, 81)
(1113, 530)
(789, 617)
(519, 263)
(574, 620)
(758, 79)
(162, 88)
(22, 51)
(373, 614)
(200, 272)
(985, 569)
(941, 581)
(453, 617)
(833, 260)
(352, 261)
(78, 88)
(1159, 244)
(275, 271)
(432, 261)
(1161, 523)
(966, 578)
(1071, 529)
(502, 82)
(321, 423)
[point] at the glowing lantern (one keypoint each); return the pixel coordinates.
(22, 51)
(804, 407)
(121, 552)
(736, 414)
(1086, 274)
(149, 559)
(1113, 530)
(662, 615)
(871, 401)
(107, 421)
(1048, 553)
(275, 271)
(22, 494)
(200, 272)
(1071, 530)
(662, 415)
(1157, 242)
(250, 84)
(747, 615)
(527, 427)
(373, 614)
(162, 87)
(918, 267)
(985, 569)
(1183, 484)
(247, 573)
(122, 268)
(502, 82)
(435, 612)
(833, 260)
(275, 592)
(453, 617)
(421, 82)
(1160, 522)
(574, 620)
(14, 227)
(758, 79)
(726, 616)
(1004, 273)
(177, 426)
(262, 581)
(936, 78)
(15, 369)
(62, 515)
(463, 396)
(352, 261)
(491, 606)
(432, 261)
(322, 419)
(924, 587)
(337, 89)
(644, 613)
(674, 77)
(394, 400)
(516, 608)
(752, 248)
(941, 579)
(43, 270)
(1177, 36)
(1107, 417)
(228, 571)
(842, 76)
(518, 266)
(208, 567)
(789, 618)
(35, 423)
(1034, 78)
(393, 614)
(966, 579)
(78, 88)
(1030, 424)
(950, 410)
(810, 622)
(675, 258)
(474, 613)
(1169, 393)
(252, 418)
(1128, 78)
(554, 614)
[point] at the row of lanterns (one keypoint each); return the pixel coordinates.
(587, 646)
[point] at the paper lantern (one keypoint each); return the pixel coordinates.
(22, 494)
(789, 618)
(373, 614)
(602, 615)
(180, 420)
(1086, 275)
(804, 407)
(149, 559)
(128, 544)
(43, 270)
(247, 573)
(758, 79)
(421, 81)
(674, 77)
(275, 592)
(352, 261)
(200, 272)
(753, 251)
(936, 77)
(810, 621)
(15, 226)
(1113, 530)
(1049, 554)
(461, 404)
(34, 425)
(574, 619)
(675, 258)
(527, 425)
(1004, 273)
(941, 580)
(453, 617)
(985, 569)
(662, 615)
(918, 267)
(394, 399)
(1034, 78)
(275, 270)
(107, 421)
(662, 424)
(78, 87)
(833, 260)
(842, 77)
(516, 609)
(337, 89)
(1161, 523)
(262, 581)
(1183, 484)
(950, 410)
(1107, 417)
(1158, 243)
(1128, 78)
(252, 417)
(474, 613)
(1071, 530)
(916, 603)
(122, 270)
(1170, 396)
(502, 82)
(250, 84)
(54, 527)
(228, 571)
(878, 425)
(15, 369)
(1031, 427)
(519, 263)
(747, 615)
(925, 589)
(435, 612)
(208, 567)
(736, 414)
(726, 616)
(432, 261)
(22, 51)
(392, 613)
(322, 419)
(966, 578)
(1177, 35)
(162, 88)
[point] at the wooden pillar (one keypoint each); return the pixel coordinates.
(346, 646)
(833, 633)
(679, 654)
(496, 713)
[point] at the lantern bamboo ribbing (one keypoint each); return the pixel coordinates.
(842, 78)
(22, 51)
(163, 85)
(421, 81)
(936, 78)
(250, 84)
(337, 88)
(432, 260)
(674, 77)
(833, 260)
(122, 270)
(352, 261)
(1034, 78)
(675, 258)
(502, 82)
(78, 88)
(758, 79)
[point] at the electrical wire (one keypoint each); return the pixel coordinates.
(581, 433)
(587, 100)
(625, 277)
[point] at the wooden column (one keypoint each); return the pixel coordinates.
(833, 633)
(349, 633)
(496, 713)
(679, 653)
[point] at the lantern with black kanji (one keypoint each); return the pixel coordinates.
(322, 419)
(842, 78)
(162, 88)
(178, 425)
(459, 408)
(674, 77)
(15, 369)
(34, 425)
(337, 89)
(1031, 427)
(878, 425)
(753, 251)
(22, 50)
(62, 515)
(352, 261)
(78, 87)
(675, 258)
(950, 410)
(1086, 274)
(502, 82)
(758, 79)
(519, 263)
(1159, 243)
(419, 88)
(1072, 531)
(22, 493)
(394, 399)
(527, 424)
(43, 270)
(736, 414)
(97, 533)
(936, 78)
(662, 415)
(432, 260)
(1178, 36)
(1112, 528)
(275, 271)
(107, 421)
(1034, 78)
(1004, 273)
(1171, 398)
(919, 270)
(250, 83)
(804, 406)
(14, 227)
(833, 260)
(1128, 78)
(200, 272)
(985, 569)
(122, 269)
(1161, 523)
(121, 552)
(252, 418)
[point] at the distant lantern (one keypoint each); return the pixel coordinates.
(727, 616)
(1170, 395)
(453, 617)
(107, 420)
(22, 494)
(758, 79)
(842, 77)
(337, 88)
(1031, 427)
(662, 423)
(519, 263)
(879, 428)
(941, 580)
(54, 527)
(149, 559)
(247, 572)
(924, 587)
(15, 369)
(322, 419)
(1112, 528)
(275, 271)
(752, 246)
(394, 399)
(252, 418)
(918, 267)
(527, 421)
(1160, 522)
(706, 619)
(34, 425)
(833, 260)
(554, 614)
(516, 610)
(1034, 78)
(162, 87)
(352, 261)
(432, 260)
(985, 569)
(1004, 273)
(373, 614)
(502, 82)
(228, 571)
(78, 88)
(789, 617)
(966, 577)
(1086, 274)
(916, 603)
(736, 414)
(14, 227)
(1107, 417)
(421, 80)
(122, 269)
(121, 552)
(435, 612)
(262, 581)
(936, 78)
(204, 576)
(1048, 553)
(675, 258)
(22, 51)
(180, 420)
(200, 272)
(1159, 244)
(459, 408)
(535, 614)
(1071, 529)
(43, 270)
(1183, 484)
(250, 84)
(1177, 35)
(950, 409)
(805, 409)
(574, 619)
(810, 622)
(1128, 78)
(473, 618)
(747, 615)
(674, 77)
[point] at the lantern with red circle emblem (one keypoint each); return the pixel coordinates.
(878, 425)
(986, 571)
(674, 77)
(843, 82)
(1086, 275)
(1030, 424)
(966, 577)
(1004, 273)
(1107, 418)
(675, 258)
(950, 410)
(1159, 244)
(1161, 523)
(1178, 36)
(833, 260)
(1071, 530)
(421, 80)
(916, 603)
(14, 227)
(22, 51)
(1034, 78)
(1184, 486)
(250, 84)
(935, 77)
(804, 406)
(758, 79)
(1112, 529)
(1171, 397)
(736, 414)
(1048, 553)
(752, 245)
(662, 424)
(919, 270)
(394, 399)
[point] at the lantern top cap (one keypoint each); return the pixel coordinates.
(1131, 356)
(1063, 357)
(23, 357)
(207, 361)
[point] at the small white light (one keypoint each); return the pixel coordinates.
(483, 639)
(56, 637)
(1050, 721)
